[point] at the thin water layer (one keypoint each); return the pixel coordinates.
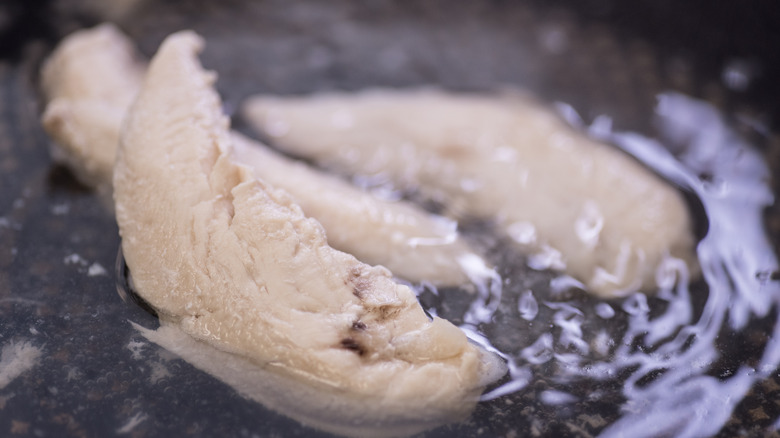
(676, 360)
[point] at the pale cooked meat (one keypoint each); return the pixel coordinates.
(234, 263)
(88, 82)
(571, 202)
(410, 242)
(86, 113)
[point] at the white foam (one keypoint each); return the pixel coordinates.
(489, 289)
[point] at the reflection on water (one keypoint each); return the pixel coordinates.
(678, 373)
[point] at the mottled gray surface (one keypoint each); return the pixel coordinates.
(97, 377)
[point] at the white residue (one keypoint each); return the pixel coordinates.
(73, 374)
(134, 421)
(96, 269)
(15, 359)
(92, 270)
(136, 349)
(75, 259)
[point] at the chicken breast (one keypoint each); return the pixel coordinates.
(570, 202)
(235, 264)
(85, 114)
(89, 82)
(410, 242)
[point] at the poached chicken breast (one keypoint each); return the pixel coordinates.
(92, 78)
(233, 263)
(570, 202)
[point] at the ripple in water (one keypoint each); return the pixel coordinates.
(668, 355)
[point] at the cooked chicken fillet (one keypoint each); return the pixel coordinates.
(410, 242)
(86, 113)
(89, 82)
(569, 201)
(235, 264)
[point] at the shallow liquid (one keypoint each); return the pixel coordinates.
(673, 363)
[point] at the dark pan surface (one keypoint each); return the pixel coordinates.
(59, 242)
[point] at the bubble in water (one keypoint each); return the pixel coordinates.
(527, 306)
(540, 351)
(555, 398)
(569, 319)
(489, 289)
(563, 283)
(604, 310)
(547, 258)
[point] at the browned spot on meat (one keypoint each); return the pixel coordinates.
(353, 345)
(358, 325)
(359, 284)
(455, 151)
(386, 312)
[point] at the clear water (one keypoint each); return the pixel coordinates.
(678, 357)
